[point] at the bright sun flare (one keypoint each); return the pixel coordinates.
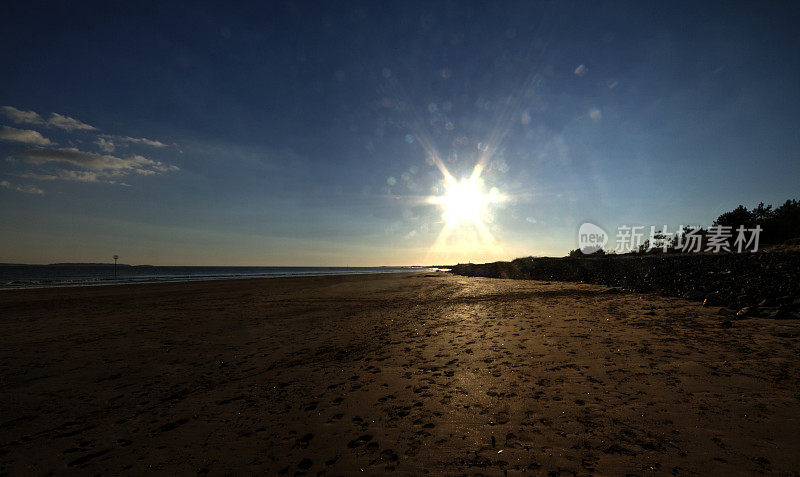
(464, 201)
(467, 211)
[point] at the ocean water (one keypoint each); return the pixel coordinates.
(62, 275)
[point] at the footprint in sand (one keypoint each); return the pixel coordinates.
(303, 441)
(360, 441)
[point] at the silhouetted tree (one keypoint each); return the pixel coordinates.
(778, 225)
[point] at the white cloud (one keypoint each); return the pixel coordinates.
(55, 120)
(67, 123)
(20, 116)
(105, 145)
(91, 160)
(137, 140)
(91, 167)
(70, 163)
(27, 189)
(79, 176)
(108, 142)
(66, 175)
(26, 136)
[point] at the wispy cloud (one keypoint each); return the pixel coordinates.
(26, 136)
(20, 116)
(105, 145)
(70, 163)
(67, 123)
(93, 161)
(27, 189)
(55, 120)
(65, 175)
(109, 143)
(92, 167)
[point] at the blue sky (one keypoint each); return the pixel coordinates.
(302, 133)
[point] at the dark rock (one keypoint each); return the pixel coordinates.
(731, 280)
(766, 302)
(783, 312)
(695, 296)
(712, 300)
(745, 312)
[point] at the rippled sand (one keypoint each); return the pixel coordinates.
(400, 373)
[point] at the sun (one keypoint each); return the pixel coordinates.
(463, 201)
(466, 208)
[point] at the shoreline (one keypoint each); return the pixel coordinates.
(390, 372)
(142, 281)
(182, 285)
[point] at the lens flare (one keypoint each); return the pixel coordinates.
(464, 201)
(466, 206)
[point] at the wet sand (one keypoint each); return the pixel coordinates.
(401, 373)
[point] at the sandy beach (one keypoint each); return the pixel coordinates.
(405, 373)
